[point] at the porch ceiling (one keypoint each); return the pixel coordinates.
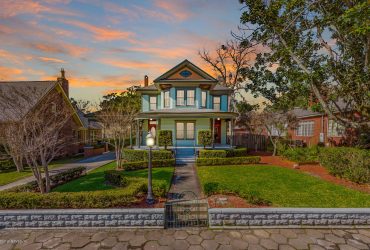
(183, 113)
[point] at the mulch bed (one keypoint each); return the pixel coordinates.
(314, 170)
(228, 201)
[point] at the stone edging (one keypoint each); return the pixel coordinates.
(288, 217)
(152, 217)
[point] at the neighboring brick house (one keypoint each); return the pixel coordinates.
(54, 92)
(315, 127)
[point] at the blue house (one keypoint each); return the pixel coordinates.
(185, 100)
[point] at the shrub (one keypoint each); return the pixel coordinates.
(6, 165)
(236, 152)
(254, 198)
(205, 137)
(210, 188)
(228, 161)
(212, 153)
(132, 155)
(165, 138)
(302, 155)
(115, 178)
(55, 180)
(349, 163)
(144, 164)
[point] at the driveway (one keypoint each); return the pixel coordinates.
(90, 164)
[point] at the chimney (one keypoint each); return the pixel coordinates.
(63, 82)
(146, 81)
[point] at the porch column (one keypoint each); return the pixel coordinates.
(213, 132)
(232, 132)
(131, 135)
(137, 134)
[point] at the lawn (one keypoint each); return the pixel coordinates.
(282, 187)
(11, 176)
(94, 180)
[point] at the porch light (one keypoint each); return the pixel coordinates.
(218, 119)
(150, 143)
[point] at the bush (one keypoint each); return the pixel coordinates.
(212, 153)
(254, 198)
(55, 180)
(205, 137)
(345, 162)
(144, 164)
(228, 161)
(302, 155)
(115, 178)
(210, 188)
(165, 138)
(132, 155)
(6, 165)
(236, 152)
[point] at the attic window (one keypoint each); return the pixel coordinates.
(185, 73)
(53, 108)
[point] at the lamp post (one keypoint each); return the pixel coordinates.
(150, 143)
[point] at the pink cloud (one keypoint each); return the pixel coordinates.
(179, 9)
(58, 48)
(7, 73)
(50, 60)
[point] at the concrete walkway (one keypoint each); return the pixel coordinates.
(282, 239)
(185, 179)
(90, 164)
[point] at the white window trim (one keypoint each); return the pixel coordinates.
(150, 103)
(305, 128)
(334, 133)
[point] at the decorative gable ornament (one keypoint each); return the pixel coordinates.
(185, 73)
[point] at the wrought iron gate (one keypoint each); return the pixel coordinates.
(188, 211)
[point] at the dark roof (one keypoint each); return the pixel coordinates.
(38, 89)
(148, 88)
(87, 121)
(299, 113)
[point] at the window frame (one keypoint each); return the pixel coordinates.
(334, 129)
(185, 130)
(305, 128)
(150, 103)
(186, 102)
(164, 99)
(177, 98)
(219, 97)
(205, 100)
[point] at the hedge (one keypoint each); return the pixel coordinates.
(205, 137)
(6, 165)
(165, 138)
(116, 198)
(236, 152)
(144, 164)
(55, 180)
(228, 161)
(212, 153)
(345, 162)
(301, 155)
(132, 155)
(115, 178)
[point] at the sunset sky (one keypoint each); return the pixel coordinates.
(106, 46)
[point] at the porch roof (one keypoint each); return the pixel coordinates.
(186, 112)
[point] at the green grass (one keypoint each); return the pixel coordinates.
(94, 180)
(11, 176)
(283, 187)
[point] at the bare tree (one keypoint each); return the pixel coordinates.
(117, 118)
(228, 62)
(35, 126)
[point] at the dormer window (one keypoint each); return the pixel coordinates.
(216, 102)
(180, 97)
(167, 99)
(153, 102)
(190, 95)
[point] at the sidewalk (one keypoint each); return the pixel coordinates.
(90, 164)
(185, 179)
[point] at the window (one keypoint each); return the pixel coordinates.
(305, 128)
(185, 130)
(216, 102)
(335, 129)
(153, 102)
(167, 99)
(53, 108)
(180, 97)
(190, 97)
(204, 99)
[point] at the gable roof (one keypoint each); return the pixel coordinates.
(190, 65)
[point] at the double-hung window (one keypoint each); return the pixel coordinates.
(335, 129)
(305, 128)
(204, 99)
(152, 102)
(180, 97)
(216, 102)
(185, 130)
(190, 95)
(167, 99)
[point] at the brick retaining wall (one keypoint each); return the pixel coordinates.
(288, 217)
(82, 218)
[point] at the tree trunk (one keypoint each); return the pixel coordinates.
(47, 178)
(18, 161)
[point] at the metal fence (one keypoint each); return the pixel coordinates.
(251, 141)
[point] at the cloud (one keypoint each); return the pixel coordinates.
(102, 33)
(6, 56)
(112, 82)
(57, 48)
(178, 9)
(50, 60)
(7, 73)
(18, 7)
(126, 64)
